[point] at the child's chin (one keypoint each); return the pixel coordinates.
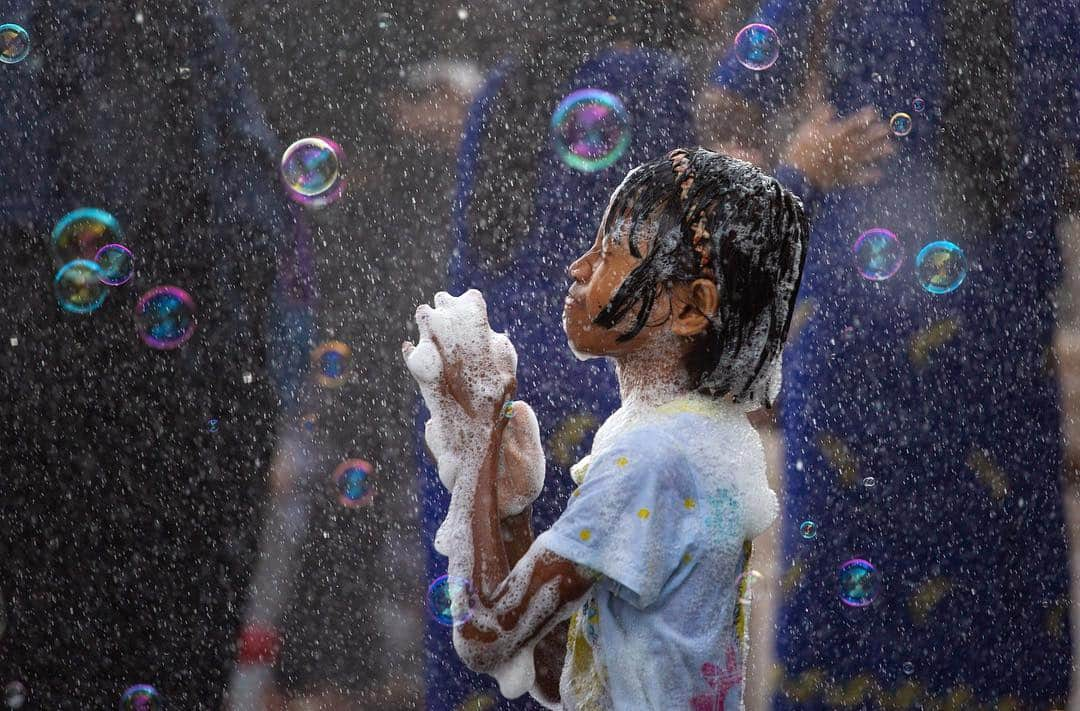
(578, 353)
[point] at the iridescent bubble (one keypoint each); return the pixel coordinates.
(82, 233)
(858, 583)
(165, 317)
(117, 264)
(78, 286)
(330, 362)
(141, 697)
(940, 267)
(14, 695)
(808, 530)
(508, 409)
(918, 105)
(312, 170)
(308, 422)
(451, 600)
(212, 425)
(908, 668)
(745, 585)
(352, 481)
(869, 482)
(14, 43)
(591, 129)
(900, 123)
(757, 46)
(878, 254)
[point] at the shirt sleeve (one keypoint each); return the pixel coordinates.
(635, 520)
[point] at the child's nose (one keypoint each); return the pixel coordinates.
(581, 270)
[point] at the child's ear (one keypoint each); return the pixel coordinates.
(692, 306)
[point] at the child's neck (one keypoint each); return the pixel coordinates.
(652, 378)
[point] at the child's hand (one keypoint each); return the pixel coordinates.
(833, 152)
(466, 375)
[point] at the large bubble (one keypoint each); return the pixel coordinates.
(78, 286)
(117, 264)
(878, 254)
(331, 363)
(81, 233)
(352, 481)
(165, 317)
(312, 170)
(757, 46)
(591, 129)
(940, 267)
(451, 600)
(14, 43)
(858, 583)
(141, 697)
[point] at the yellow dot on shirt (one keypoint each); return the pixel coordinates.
(643, 513)
(686, 558)
(689, 503)
(622, 461)
(577, 492)
(586, 534)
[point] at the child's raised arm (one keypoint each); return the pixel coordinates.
(521, 592)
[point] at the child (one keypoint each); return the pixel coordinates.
(689, 289)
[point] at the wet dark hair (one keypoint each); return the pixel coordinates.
(707, 215)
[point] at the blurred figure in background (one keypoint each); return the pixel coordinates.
(923, 434)
(345, 585)
(134, 477)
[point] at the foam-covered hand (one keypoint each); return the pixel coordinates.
(466, 374)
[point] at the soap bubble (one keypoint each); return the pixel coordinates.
(311, 169)
(757, 46)
(918, 105)
(878, 254)
(165, 316)
(941, 267)
(212, 425)
(384, 20)
(808, 530)
(451, 600)
(591, 128)
(141, 697)
(117, 264)
(14, 695)
(869, 482)
(900, 123)
(14, 43)
(745, 585)
(352, 481)
(858, 583)
(909, 668)
(331, 363)
(78, 286)
(82, 233)
(308, 422)
(508, 409)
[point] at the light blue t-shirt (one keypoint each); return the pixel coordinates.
(663, 516)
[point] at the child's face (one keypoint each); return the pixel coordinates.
(596, 276)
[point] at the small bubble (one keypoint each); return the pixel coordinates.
(15, 695)
(757, 47)
(212, 425)
(858, 583)
(878, 254)
(869, 482)
(117, 264)
(941, 267)
(165, 316)
(184, 72)
(901, 124)
(312, 170)
(14, 43)
(909, 668)
(508, 409)
(918, 105)
(591, 129)
(330, 361)
(141, 697)
(352, 480)
(451, 600)
(78, 286)
(808, 530)
(384, 20)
